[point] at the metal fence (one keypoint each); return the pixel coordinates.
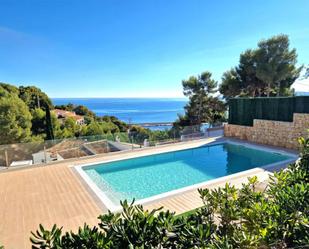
(23, 154)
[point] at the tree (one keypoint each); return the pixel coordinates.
(214, 110)
(49, 126)
(68, 107)
(109, 127)
(276, 63)
(201, 102)
(201, 85)
(181, 121)
(251, 85)
(42, 123)
(268, 70)
(38, 122)
(15, 119)
(9, 88)
(138, 134)
(159, 135)
(71, 126)
(34, 97)
(58, 133)
(231, 85)
(83, 110)
(66, 133)
(94, 128)
(123, 127)
(242, 80)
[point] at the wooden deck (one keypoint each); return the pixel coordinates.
(47, 195)
(56, 194)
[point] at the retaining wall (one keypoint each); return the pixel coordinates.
(276, 133)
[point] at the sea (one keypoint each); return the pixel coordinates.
(153, 113)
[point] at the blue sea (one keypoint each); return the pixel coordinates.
(133, 110)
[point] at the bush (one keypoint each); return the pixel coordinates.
(276, 217)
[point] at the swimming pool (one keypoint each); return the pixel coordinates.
(148, 176)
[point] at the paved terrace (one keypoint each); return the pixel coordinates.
(56, 194)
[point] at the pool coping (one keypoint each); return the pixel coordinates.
(104, 199)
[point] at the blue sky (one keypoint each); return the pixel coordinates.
(136, 48)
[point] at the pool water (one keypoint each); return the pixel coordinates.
(147, 176)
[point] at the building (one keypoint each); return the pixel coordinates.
(79, 119)
(63, 114)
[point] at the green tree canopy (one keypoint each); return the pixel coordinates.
(83, 110)
(201, 85)
(15, 119)
(94, 128)
(251, 85)
(202, 105)
(38, 121)
(109, 127)
(56, 126)
(276, 63)
(268, 70)
(9, 88)
(44, 124)
(34, 97)
(121, 125)
(67, 107)
(138, 134)
(49, 130)
(231, 85)
(70, 125)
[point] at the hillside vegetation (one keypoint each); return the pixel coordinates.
(26, 116)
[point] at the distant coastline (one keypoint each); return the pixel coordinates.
(153, 113)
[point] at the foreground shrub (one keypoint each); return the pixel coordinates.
(276, 217)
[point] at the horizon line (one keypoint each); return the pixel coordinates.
(118, 97)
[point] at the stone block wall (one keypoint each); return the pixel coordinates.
(276, 133)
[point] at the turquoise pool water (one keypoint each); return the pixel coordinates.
(147, 176)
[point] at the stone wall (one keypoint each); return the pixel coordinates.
(276, 133)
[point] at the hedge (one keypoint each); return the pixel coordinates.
(242, 111)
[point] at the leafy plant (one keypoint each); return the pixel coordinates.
(86, 237)
(137, 228)
(46, 239)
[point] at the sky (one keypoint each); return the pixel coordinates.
(136, 48)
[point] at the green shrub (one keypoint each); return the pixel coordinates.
(277, 217)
